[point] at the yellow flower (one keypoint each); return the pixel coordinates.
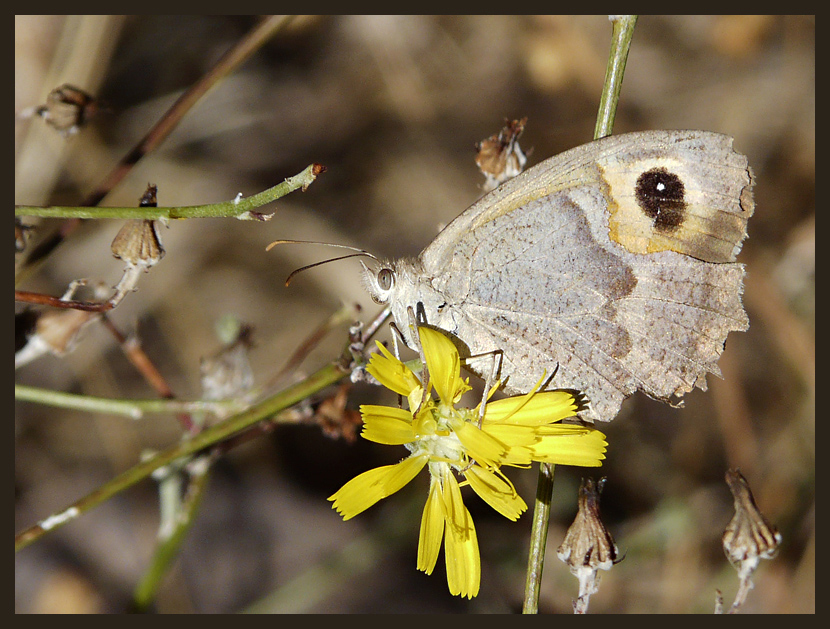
(452, 442)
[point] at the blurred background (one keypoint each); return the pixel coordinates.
(393, 106)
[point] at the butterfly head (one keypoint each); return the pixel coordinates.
(380, 282)
(404, 284)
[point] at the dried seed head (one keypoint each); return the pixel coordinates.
(587, 543)
(138, 243)
(335, 419)
(52, 332)
(588, 546)
(748, 537)
(68, 108)
(500, 157)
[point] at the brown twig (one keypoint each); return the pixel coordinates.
(343, 314)
(56, 302)
(135, 354)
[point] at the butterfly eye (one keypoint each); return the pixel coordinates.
(385, 278)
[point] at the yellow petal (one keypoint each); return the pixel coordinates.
(540, 408)
(432, 528)
(586, 449)
(444, 365)
(480, 445)
(453, 503)
(496, 491)
(460, 544)
(364, 490)
(387, 425)
(513, 434)
(416, 399)
(392, 373)
(518, 456)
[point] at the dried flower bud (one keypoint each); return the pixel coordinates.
(150, 196)
(227, 374)
(52, 332)
(20, 231)
(499, 157)
(68, 108)
(138, 243)
(59, 329)
(748, 537)
(335, 419)
(588, 546)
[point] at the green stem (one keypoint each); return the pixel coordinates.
(170, 543)
(538, 538)
(621, 35)
(237, 208)
(326, 376)
(134, 409)
(623, 31)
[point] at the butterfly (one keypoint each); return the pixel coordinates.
(611, 265)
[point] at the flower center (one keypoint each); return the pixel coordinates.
(434, 428)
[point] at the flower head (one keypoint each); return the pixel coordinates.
(460, 447)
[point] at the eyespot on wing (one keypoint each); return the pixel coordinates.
(687, 192)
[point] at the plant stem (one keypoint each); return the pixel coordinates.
(237, 208)
(170, 541)
(141, 361)
(134, 409)
(328, 375)
(231, 60)
(621, 35)
(538, 538)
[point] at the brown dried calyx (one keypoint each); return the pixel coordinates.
(588, 546)
(138, 243)
(748, 537)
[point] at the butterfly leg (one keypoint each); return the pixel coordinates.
(416, 337)
(491, 381)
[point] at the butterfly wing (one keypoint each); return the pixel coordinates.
(586, 264)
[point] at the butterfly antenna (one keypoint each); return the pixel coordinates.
(358, 253)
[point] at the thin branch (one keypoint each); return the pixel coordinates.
(241, 207)
(621, 35)
(538, 538)
(135, 409)
(40, 299)
(138, 358)
(263, 410)
(240, 52)
(346, 313)
(231, 60)
(196, 473)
